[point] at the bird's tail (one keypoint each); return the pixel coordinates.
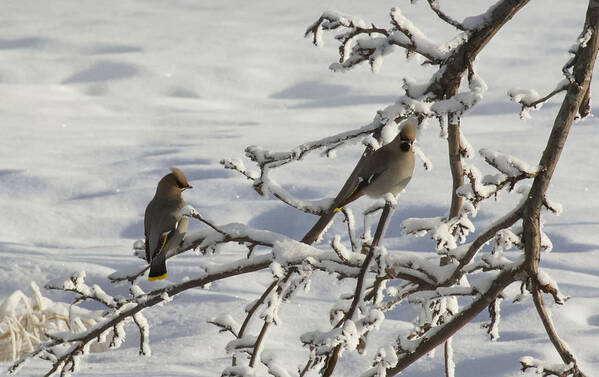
(314, 233)
(158, 268)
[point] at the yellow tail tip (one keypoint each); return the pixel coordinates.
(338, 209)
(159, 277)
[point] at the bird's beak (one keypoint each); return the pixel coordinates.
(189, 187)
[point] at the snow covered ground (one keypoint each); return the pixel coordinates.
(99, 100)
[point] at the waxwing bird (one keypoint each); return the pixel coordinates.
(164, 226)
(388, 169)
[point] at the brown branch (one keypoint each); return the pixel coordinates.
(347, 37)
(373, 294)
(466, 53)
(297, 153)
(533, 104)
(412, 47)
(258, 343)
(507, 221)
(576, 93)
(93, 293)
(441, 333)
(444, 86)
(349, 219)
(306, 368)
(494, 308)
(413, 288)
(328, 22)
(448, 84)
(498, 186)
(448, 355)
(255, 306)
(141, 323)
(548, 370)
(584, 109)
(455, 163)
(435, 8)
(251, 312)
(331, 360)
(561, 348)
(266, 325)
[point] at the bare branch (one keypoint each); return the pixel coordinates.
(258, 344)
(448, 354)
(560, 346)
(255, 306)
(349, 220)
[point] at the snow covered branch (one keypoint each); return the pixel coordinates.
(494, 312)
(346, 333)
(426, 284)
(530, 99)
(288, 254)
(511, 171)
(117, 315)
(438, 97)
(434, 4)
(548, 369)
(582, 68)
(409, 351)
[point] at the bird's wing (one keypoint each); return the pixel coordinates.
(370, 170)
(175, 237)
(164, 240)
(169, 246)
(373, 168)
(147, 231)
(148, 253)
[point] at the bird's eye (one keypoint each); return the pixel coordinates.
(180, 185)
(405, 145)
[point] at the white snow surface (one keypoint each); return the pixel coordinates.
(98, 101)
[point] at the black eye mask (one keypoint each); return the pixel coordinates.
(405, 145)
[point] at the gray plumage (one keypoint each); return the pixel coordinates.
(163, 225)
(388, 169)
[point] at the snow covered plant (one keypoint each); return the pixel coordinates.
(25, 321)
(448, 286)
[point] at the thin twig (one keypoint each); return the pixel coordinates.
(251, 312)
(359, 291)
(557, 90)
(349, 219)
(561, 348)
(258, 344)
(435, 8)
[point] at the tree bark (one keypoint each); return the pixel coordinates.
(576, 95)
